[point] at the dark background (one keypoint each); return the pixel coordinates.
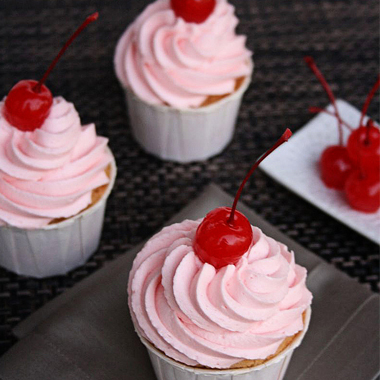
(343, 37)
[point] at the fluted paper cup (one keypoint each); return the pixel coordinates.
(56, 248)
(274, 369)
(184, 135)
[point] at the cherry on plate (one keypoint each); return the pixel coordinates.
(363, 191)
(363, 147)
(335, 165)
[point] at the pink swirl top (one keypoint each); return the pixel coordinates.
(196, 314)
(166, 60)
(49, 173)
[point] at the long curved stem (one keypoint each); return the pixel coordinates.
(313, 67)
(285, 137)
(89, 19)
(369, 99)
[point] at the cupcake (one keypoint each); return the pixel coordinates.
(201, 319)
(184, 74)
(218, 298)
(55, 178)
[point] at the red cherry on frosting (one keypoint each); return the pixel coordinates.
(28, 103)
(225, 234)
(363, 191)
(335, 165)
(26, 108)
(219, 243)
(193, 10)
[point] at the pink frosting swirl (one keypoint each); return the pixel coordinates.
(49, 173)
(166, 60)
(197, 315)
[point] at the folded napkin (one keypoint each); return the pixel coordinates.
(87, 333)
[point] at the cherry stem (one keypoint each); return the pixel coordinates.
(285, 137)
(313, 67)
(89, 20)
(369, 99)
(317, 110)
(369, 125)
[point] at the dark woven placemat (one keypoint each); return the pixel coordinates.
(341, 35)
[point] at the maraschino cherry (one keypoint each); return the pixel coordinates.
(193, 10)
(28, 103)
(363, 190)
(335, 165)
(225, 234)
(364, 142)
(335, 162)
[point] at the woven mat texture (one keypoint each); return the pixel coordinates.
(343, 36)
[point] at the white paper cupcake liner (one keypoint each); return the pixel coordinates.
(57, 248)
(274, 369)
(184, 135)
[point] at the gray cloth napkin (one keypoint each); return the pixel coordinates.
(87, 333)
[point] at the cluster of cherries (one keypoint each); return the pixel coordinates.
(225, 234)
(28, 103)
(353, 168)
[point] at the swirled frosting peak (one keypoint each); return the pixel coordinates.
(49, 173)
(198, 315)
(166, 60)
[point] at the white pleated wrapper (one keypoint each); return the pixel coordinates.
(274, 369)
(184, 135)
(57, 248)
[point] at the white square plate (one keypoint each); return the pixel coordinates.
(295, 165)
